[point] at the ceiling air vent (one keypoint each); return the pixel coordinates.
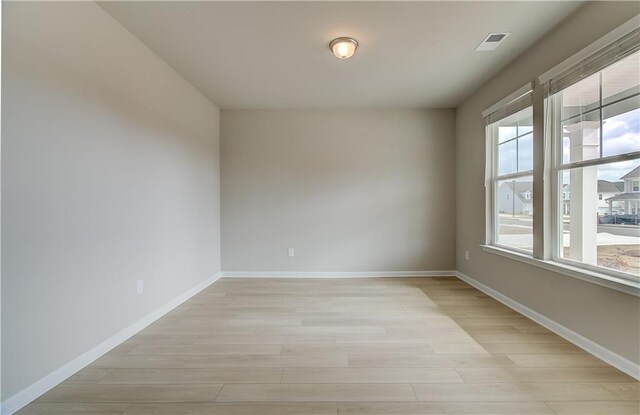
(491, 41)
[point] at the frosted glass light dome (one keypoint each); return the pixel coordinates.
(343, 47)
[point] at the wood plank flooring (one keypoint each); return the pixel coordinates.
(343, 346)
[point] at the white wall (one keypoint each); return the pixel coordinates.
(352, 191)
(605, 316)
(110, 173)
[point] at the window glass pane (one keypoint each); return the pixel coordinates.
(601, 216)
(525, 153)
(514, 204)
(581, 137)
(507, 157)
(525, 121)
(621, 127)
(507, 128)
(566, 149)
(621, 79)
(580, 97)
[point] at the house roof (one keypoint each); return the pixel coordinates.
(521, 189)
(625, 196)
(635, 173)
(605, 186)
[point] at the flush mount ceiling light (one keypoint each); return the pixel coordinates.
(343, 47)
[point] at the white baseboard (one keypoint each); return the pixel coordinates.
(304, 274)
(32, 392)
(602, 353)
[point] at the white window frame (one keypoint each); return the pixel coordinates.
(541, 258)
(492, 178)
(554, 131)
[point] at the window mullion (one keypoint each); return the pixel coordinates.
(557, 138)
(600, 130)
(494, 191)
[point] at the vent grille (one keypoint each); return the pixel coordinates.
(491, 41)
(496, 37)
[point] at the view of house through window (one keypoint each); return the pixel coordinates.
(599, 201)
(513, 180)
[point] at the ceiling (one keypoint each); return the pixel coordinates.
(271, 55)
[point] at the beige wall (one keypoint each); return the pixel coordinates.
(109, 175)
(605, 316)
(349, 190)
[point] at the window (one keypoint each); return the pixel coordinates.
(594, 121)
(510, 174)
(589, 169)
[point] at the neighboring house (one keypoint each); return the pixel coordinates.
(516, 198)
(630, 198)
(606, 191)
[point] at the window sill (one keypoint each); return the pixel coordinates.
(604, 280)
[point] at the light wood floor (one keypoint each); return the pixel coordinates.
(343, 346)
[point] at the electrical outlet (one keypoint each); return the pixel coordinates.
(292, 252)
(139, 286)
(466, 255)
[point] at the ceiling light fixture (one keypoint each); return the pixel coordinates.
(343, 47)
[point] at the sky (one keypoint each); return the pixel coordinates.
(620, 134)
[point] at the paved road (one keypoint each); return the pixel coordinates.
(622, 230)
(523, 225)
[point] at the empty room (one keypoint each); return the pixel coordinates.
(320, 207)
